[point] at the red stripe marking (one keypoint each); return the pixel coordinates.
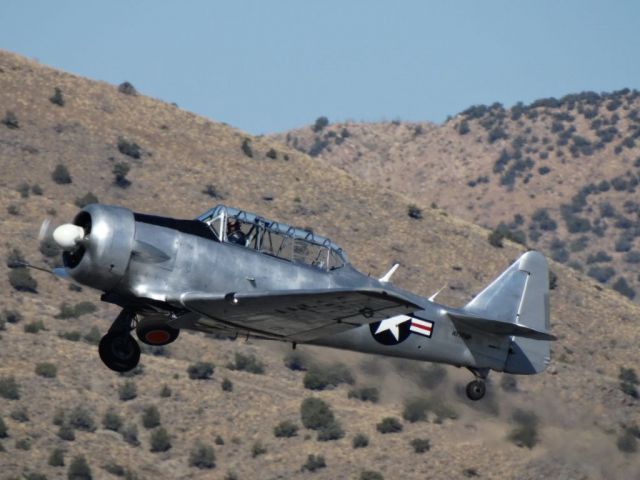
(421, 327)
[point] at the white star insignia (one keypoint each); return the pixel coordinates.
(391, 324)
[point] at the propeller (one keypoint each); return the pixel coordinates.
(66, 236)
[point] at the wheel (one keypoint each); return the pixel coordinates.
(120, 353)
(476, 390)
(155, 331)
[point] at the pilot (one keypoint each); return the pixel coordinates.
(234, 234)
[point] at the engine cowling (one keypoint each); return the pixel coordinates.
(101, 258)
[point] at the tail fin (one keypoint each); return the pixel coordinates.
(519, 297)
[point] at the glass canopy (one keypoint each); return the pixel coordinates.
(273, 238)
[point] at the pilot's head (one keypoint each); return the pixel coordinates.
(233, 225)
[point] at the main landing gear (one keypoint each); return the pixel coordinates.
(118, 349)
(477, 388)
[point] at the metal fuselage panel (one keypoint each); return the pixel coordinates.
(166, 262)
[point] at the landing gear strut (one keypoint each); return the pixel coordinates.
(118, 349)
(477, 388)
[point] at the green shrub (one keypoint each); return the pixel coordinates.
(112, 421)
(202, 456)
(258, 449)
(320, 123)
(420, 445)
(23, 444)
(495, 238)
(13, 209)
(120, 171)
(23, 189)
(21, 280)
(627, 442)
(159, 440)
(227, 385)
(127, 391)
(81, 419)
(415, 410)
(414, 212)
(57, 98)
(365, 394)
(200, 370)
(621, 286)
(11, 316)
(10, 120)
(296, 361)
(34, 476)
(15, 259)
(272, 154)
(3, 429)
(79, 469)
(525, 433)
(150, 417)
(61, 175)
(72, 336)
(9, 388)
(20, 414)
(285, 429)
(131, 149)
(322, 377)
(56, 458)
(360, 441)
(85, 200)
(316, 414)
(212, 191)
(93, 336)
(332, 431)
(127, 89)
(36, 189)
(34, 327)
(389, 425)
(58, 417)
(165, 391)
(130, 434)
(115, 469)
(601, 274)
(219, 440)
(247, 363)
(314, 463)
(66, 432)
(47, 370)
(246, 148)
(371, 475)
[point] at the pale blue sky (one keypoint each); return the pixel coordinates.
(270, 66)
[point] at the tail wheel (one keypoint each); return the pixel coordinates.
(476, 390)
(155, 331)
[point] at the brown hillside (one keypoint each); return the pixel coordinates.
(583, 411)
(561, 175)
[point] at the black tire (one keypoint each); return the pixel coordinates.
(155, 331)
(476, 390)
(120, 353)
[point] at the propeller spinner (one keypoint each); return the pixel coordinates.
(68, 235)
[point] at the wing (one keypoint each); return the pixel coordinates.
(299, 315)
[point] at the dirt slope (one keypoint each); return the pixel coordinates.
(582, 410)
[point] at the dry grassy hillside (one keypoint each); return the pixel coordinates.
(560, 175)
(586, 422)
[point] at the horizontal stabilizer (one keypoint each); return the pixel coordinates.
(498, 327)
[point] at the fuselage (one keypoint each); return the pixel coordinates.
(168, 258)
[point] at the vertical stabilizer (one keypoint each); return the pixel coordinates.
(520, 295)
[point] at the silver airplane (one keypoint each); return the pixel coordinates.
(236, 272)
